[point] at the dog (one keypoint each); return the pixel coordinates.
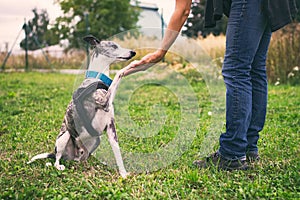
(91, 111)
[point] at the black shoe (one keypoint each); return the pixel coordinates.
(219, 162)
(252, 157)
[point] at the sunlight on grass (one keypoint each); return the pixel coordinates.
(32, 107)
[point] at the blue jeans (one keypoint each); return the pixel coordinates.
(244, 71)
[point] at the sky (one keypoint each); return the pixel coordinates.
(13, 13)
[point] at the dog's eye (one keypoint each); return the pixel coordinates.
(114, 46)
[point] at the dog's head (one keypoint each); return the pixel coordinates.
(109, 49)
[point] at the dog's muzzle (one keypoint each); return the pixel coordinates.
(131, 55)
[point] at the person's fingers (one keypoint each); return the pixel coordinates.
(134, 69)
(137, 67)
(146, 62)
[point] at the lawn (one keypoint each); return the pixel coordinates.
(32, 106)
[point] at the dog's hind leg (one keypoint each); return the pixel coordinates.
(113, 140)
(60, 146)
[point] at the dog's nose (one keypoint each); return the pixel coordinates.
(132, 53)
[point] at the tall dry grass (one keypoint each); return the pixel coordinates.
(73, 60)
(214, 46)
(283, 57)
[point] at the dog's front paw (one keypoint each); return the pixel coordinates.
(60, 167)
(124, 174)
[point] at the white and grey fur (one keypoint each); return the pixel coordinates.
(80, 135)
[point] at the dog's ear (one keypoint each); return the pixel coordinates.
(91, 40)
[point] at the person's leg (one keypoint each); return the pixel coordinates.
(259, 93)
(246, 26)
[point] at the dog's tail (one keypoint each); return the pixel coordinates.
(42, 156)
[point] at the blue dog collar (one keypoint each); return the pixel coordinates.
(93, 74)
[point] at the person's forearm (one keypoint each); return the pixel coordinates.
(177, 20)
(181, 13)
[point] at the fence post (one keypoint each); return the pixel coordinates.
(26, 45)
(162, 28)
(87, 29)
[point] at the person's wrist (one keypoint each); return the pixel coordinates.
(161, 52)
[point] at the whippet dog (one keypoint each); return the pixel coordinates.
(91, 111)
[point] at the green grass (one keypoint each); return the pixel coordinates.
(32, 107)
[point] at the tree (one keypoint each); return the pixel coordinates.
(102, 18)
(37, 31)
(194, 27)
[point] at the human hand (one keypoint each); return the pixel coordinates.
(146, 62)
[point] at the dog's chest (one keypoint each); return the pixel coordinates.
(89, 102)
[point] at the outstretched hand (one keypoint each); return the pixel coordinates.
(146, 62)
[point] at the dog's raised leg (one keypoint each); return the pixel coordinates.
(60, 146)
(110, 95)
(113, 140)
(115, 86)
